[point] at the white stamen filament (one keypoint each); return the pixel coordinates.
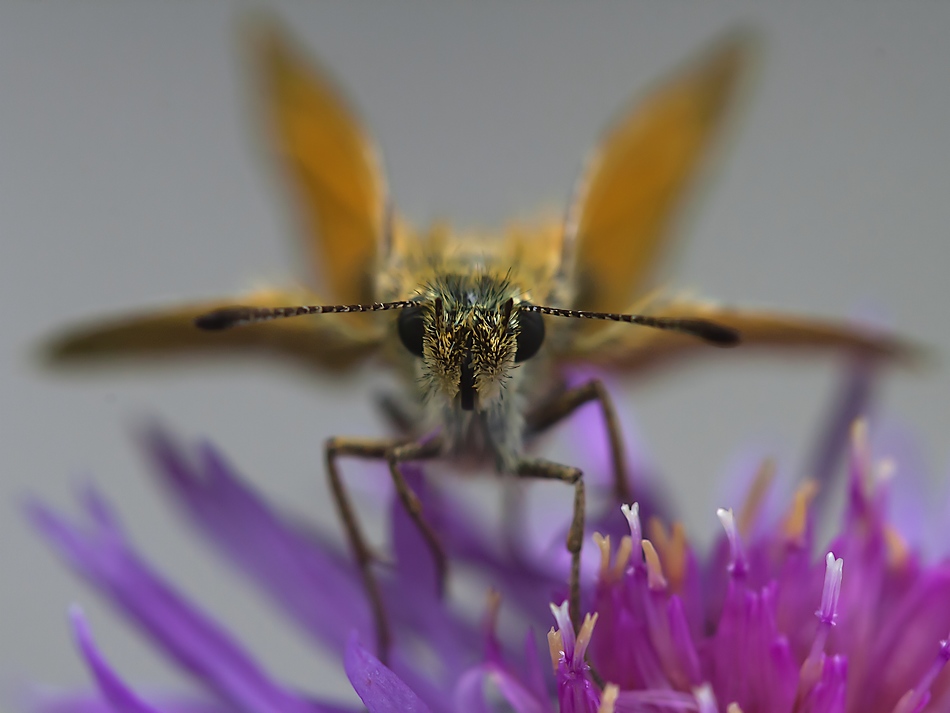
(737, 563)
(831, 590)
(705, 699)
(565, 628)
(828, 613)
(632, 513)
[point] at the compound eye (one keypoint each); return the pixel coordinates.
(531, 336)
(412, 327)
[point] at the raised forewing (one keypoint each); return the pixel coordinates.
(333, 168)
(637, 177)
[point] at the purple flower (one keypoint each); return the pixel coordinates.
(766, 622)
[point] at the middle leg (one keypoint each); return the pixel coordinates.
(548, 470)
(565, 403)
(418, 450)
(393, 452)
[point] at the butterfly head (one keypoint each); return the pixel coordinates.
(468, 334)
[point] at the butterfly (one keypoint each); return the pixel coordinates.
(480, 326)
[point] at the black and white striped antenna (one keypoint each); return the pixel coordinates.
(228, 317)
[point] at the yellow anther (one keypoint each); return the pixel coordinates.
(587, 630)
(655, 578)
(623, 556)
(608, 699)
(603, 544)
(797, 518)
(492, 607)
(861, 452)
(733, 708)
(673, 551)
(752, 506)
(908, 702)
(897, 550)
(658, 534)
(555, 647)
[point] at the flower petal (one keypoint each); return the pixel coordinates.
(96, 702)
(304, 575)
(380, 689)
(470, 695)
(101, 554)
(414, 591)
(120, 696)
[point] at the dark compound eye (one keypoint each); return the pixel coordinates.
(531, 336)
(412, 327)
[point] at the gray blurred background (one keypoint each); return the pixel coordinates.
(128, 177)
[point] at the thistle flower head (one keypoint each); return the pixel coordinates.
(768, 621)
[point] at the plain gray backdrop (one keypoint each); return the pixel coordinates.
(128, 176)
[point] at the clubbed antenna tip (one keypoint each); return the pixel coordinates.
(221, 319)
(716, 334)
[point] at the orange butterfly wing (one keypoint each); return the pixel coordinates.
(323, 341)
(333, 168)
(636, 180)
(629, 348)
(334, 173)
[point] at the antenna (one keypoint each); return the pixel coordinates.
(229, 317)
(716, 334)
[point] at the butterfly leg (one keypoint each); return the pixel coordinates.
(396, 414)
(565, 403)
(359, 448)
(390, 451)
(548, 470)
(418, 450)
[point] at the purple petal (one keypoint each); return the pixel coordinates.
(120, 696)
(310, 581)
(828, 695)
(470, 692)
(576, 692)
(470, 695)
(415, 564)
(903, 648)
(303, 575)
(909, 493)
(100, 554)
(589, 432)
(655, 700)
(852, 402)
(414, 593)
(518, 696)
(526, 578)
(380, 689)
(96, 702)
(534, 674)
(525, 695)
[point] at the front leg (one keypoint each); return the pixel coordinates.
(565, 403)
(392, 452)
